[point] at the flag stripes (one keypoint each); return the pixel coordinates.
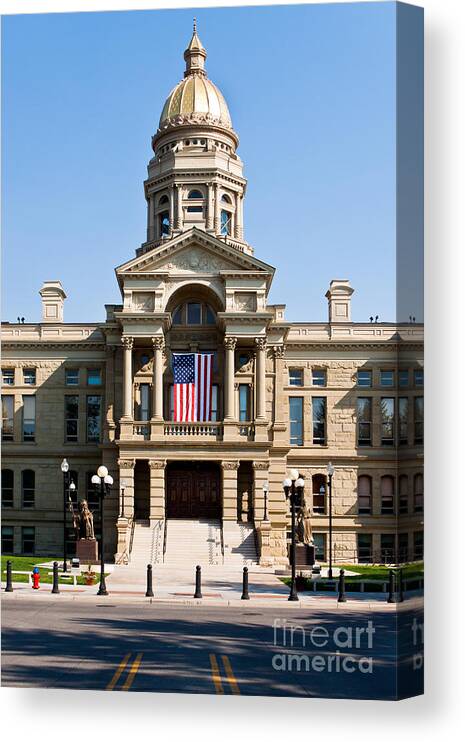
(192, 374)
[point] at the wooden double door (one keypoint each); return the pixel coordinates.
(193, 490)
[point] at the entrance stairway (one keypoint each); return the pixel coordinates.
(147, 543)
(239, 545)
(192, 542)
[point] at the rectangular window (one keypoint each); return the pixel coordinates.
(29, 376)
(418, 545)
(387, 421)
(7, 417)
(318, 377)
(72, 377)
(364, 378)
(418, 419)
(388, 548)
(364, 495)
(143, 411)
(244, 403)
(319, 493)
(402, 416)
(94, 377)
(403, 377)
(296, 377)
(364, 421)
(386, 378)
(28, 487)
(319, 540)
(28, 540)
(402, 550)
(319, 420)
(93, 419)
(7, 540)
(193, 313)
(29, 418)
(296, 417)
(71, 418)
(418, 493)
(403, 494)
(7, 488)
(8, 376)
(364, 547)
(387, 495)
(418, 377)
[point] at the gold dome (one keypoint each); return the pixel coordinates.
(195, 99)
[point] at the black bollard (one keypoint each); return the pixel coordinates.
(341, 598)
(245, 584)
(149, 591)
(392, 577)
(9, 584)
(55, 589)
(198, 582)
(401, 587)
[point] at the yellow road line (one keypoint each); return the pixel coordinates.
(229, 672)
(216, 675)
(118, 671)
(132, 672)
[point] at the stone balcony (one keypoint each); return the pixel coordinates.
(166, 431)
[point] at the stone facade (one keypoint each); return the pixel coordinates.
(103, 392)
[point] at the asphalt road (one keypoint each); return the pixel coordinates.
(253, 650)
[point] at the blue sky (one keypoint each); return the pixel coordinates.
(311, 90)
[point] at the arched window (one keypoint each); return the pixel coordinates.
(28, 486)
(418, 492)
(8, 479)
(403, 494)
(364, 495)
(193, 313)
(226, 199)
(319, 493)
(163, 200)
(387, 495)
(195, 194)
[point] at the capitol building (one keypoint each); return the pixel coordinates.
(283, 394)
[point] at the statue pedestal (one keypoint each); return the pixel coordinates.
(87, 551)
(304, 556)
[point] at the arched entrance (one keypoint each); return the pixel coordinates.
(193, 490)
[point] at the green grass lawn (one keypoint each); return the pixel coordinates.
(377, 573)
(28, 563)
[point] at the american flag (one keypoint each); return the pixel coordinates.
(192, 374)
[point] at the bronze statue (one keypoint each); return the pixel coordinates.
(86, 521)
(304, 526)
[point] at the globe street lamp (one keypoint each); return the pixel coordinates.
(102, 481)
(266, 487)
(66, 477)
(293, 488)
(330, 470)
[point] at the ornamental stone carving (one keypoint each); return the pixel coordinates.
(127, 342)
(244, 302)
(158, 343)
(279, 351)
(230, 465)
(126, 463)
(260, 343)
(261, 465)
(156, 464)
(196, 260)
(230, 343)
(142, 301)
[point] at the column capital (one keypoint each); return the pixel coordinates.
(260, 343)
(126, 463)
(230, 465)
(127, 342)
(261, 465)
(230, 343)
(158, 343)
(157, 463)
(279, 351)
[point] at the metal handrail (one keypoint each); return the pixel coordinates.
(164, 537)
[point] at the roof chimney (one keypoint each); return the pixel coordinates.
(339, 296)
(53, 299)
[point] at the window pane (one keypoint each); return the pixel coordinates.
(418, 419)
(388, 548)
(72, 376)
(364, 378)
(28, 480)
(403, 419)
(94, 377)
(7, 488)
(403, 494)
(29, 418)
(177, 316)
(93, 419)
(364, 421)
(418, 377)
(8, 376)
(144, 406)
(225, 223)
(364, 547)
(71, 417)
(29, 375)
(214, 406)
(209, 316)
(319, 420)
(386, 378)
(319, 493)
(296, 420)
(244, 412)
(364, 495)
(319, 540)
(318, 377)
(387, 495)
(7, 540)
(193, 314)
(403, 377)
(387, 421)
(28, 540)
(296, 376)
(7, 417)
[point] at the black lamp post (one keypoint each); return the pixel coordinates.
(294, 489)
(330, 470)
(266, 487)
(66, 482)
(103, 481)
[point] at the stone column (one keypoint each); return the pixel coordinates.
(241, 216)
(157, 384)
(126, 509)
(260, 379)
(230, 489)
(217, 221)
(171, 197)
(237, 229)
(280, 433)
(150, 219)
(128, 343)
(210, 212)
(260, 477)
(178, 219)
(229, 400)
(109, 431)
(157, 489)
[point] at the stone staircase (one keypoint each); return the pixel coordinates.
(147, 544)
(192, 542)
(239, 545)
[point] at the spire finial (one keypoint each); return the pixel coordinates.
(195, 55)
(195, 25)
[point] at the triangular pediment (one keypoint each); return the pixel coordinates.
(193, 253)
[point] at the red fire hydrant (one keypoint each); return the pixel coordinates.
(35, 578)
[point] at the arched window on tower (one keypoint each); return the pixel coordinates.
(164, 223)
(197, 207)
(226, 215)
(162, 216)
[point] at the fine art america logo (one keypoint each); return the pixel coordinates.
(318, 649)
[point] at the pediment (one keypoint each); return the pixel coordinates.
(193, 253)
